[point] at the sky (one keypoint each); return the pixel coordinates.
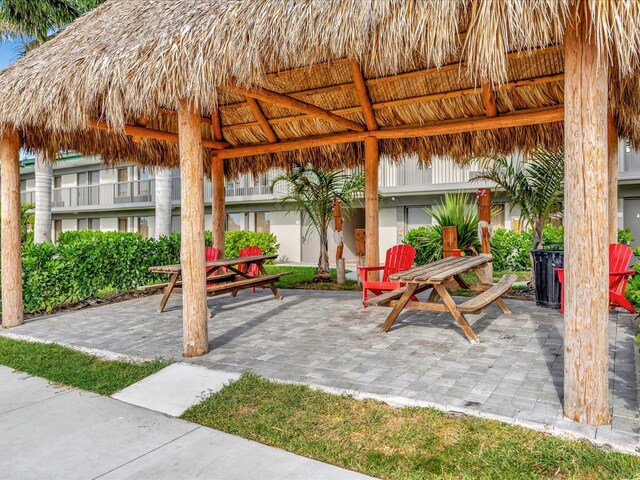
(9, 52)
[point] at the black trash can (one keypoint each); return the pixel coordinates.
(545, 261)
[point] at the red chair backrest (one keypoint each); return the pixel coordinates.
(399, 258)
(211, 254)
(619, 258)
(250, 251)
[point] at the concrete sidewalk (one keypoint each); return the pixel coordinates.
(50, 432)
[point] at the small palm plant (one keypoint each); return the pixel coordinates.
(311, 192)
(535, 186)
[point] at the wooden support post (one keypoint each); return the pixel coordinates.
(217, 204)
(449, 241)
(11, 245)
(586, 311)
(194, 294)
(371, 160)
(484, 216)
(361, 235)
(489, 100)
(612, 149)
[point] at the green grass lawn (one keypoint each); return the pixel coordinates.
(302, 277)
(72, 368)
(407, 443)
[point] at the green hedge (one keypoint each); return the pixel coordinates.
(83, 263)
(510, 250)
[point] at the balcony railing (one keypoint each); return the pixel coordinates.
(104, 195)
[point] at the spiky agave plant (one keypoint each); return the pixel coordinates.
(456, 210)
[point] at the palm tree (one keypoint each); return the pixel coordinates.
(312, 192)
(535, 186)
(34, 22)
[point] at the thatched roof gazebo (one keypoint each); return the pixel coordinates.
(224, 87)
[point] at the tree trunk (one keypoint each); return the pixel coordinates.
(537, 234)
(586, 266)
(323, 261)
(163, 202)
(10, 248)
(44, 182)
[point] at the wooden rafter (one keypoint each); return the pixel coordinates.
(143, 132)
(489, 100)
(516, 119)
(387, 79)
(297, 105)
(258, 114)
(409, 100)
(363, 96)
(216, 125)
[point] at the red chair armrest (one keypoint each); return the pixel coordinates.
(623, 274)
(363, 271)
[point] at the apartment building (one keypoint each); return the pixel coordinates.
(89, 195)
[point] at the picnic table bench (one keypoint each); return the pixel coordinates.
(223, 276)
(435, 276)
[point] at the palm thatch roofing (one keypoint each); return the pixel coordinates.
(131, 62)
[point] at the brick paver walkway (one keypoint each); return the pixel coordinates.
(327, 339)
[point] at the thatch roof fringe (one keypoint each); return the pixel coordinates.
(139, 58)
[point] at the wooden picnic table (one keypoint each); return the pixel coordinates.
(223, 276)
(435, 276)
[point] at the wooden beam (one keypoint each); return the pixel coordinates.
(11, 243)
(307, 69)
(612, 162)
(218, 214)
(363, 96)
(408, 100)
(143, 132)
(371, 162)
(516, 119)
(298, 105)
(216, 125)
(586, 284)
(489, 100)
(258, 114)
(195, 314)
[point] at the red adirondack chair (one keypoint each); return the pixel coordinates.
(211, 254)
(619, 275)
(253, 270)
(398, 258)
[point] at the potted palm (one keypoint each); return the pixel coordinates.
(536, 186)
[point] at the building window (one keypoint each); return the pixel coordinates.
(123, 224)
(263, 222)
(83, 224)
(143, 227)
(94, 224)
(142, 184)
(497, 215)
(123, 182)
(57, 229)
(416, 217)
(235, 222)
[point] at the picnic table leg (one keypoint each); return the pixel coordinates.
(274, 290)
(457, 315)
(499, 301)
(167, 291)
(406, 296)
(433, 296)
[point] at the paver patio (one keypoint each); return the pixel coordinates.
(327, 339)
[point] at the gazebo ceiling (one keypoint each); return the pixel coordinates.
(456, 78)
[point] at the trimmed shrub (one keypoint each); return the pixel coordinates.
(510, 250)
(88, 263)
